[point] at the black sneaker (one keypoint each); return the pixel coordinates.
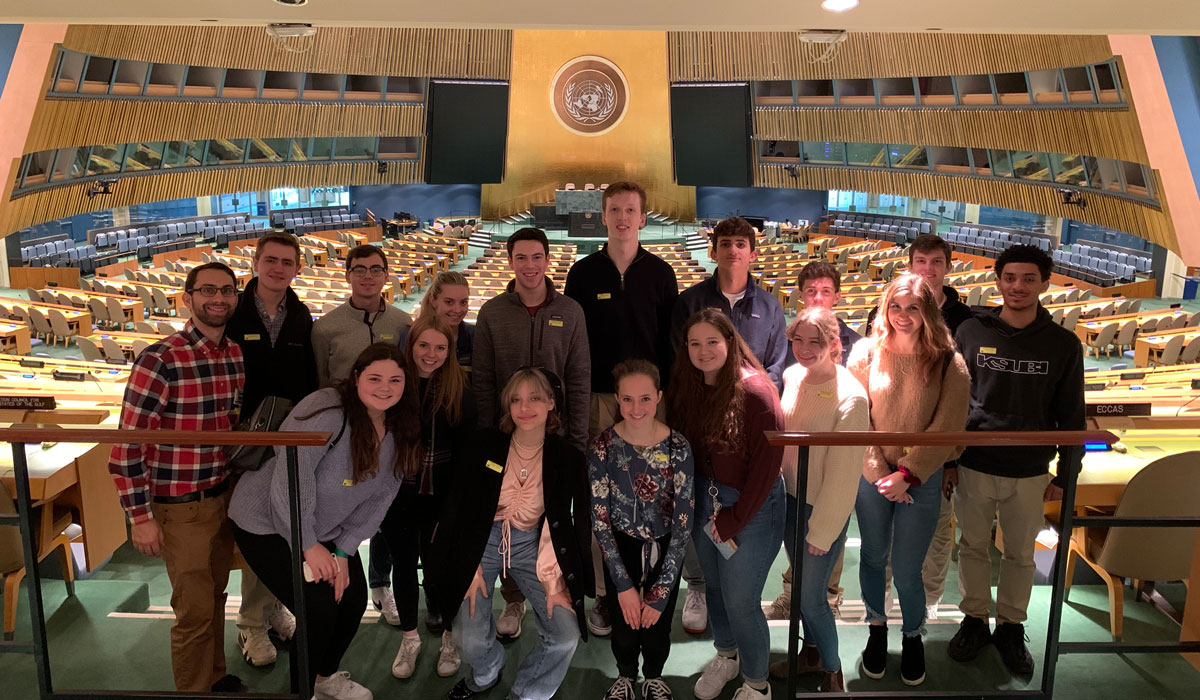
(434, 623)
(972, 636)
(460, 691)
(912, 661)
(622, 689)
(230, 683)
(874, 657)
(1010, 642)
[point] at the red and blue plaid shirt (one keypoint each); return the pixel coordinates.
(183, 382)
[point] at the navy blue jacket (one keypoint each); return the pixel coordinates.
(758, 318)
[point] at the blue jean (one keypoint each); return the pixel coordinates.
(905, 530)
(379, 562)
(735, 585)
(820, 628)
(543, 670)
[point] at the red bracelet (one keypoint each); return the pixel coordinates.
(909, 477)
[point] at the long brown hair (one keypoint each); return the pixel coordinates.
(712, 416)
(447, 382)
(933, 341)
(400, 419)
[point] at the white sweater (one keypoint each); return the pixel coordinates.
(839, 404)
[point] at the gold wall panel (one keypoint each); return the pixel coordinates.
(1114, 212)
(62, 123)
(543, 154)
(782, 56)
(58, 202)
(408, 52)
(1107, 133)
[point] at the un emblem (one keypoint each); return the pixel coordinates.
(589, 95)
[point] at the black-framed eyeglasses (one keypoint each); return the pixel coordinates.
(211, 291)
(363, 271)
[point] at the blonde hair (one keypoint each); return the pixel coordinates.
(539, 381)
(933, 341)
(443, 280)
(826, 324)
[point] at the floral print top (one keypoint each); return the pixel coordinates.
(645, 493)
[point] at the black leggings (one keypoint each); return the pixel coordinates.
(331, 625)
(408, 529)
(654, 643)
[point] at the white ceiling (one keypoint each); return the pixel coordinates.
(988, 16)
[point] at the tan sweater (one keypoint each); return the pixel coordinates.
(839, 404)
(901, 401)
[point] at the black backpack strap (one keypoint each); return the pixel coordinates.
(341, 432)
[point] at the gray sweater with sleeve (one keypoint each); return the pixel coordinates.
(332, 507)
(341, 335)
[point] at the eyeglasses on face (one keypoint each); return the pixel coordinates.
(211, 291)
(363, 271)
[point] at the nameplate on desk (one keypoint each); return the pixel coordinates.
(1122, 410)
(1132, 375)
(1094, 386)
(32, 403)
(32, 363)
(69, 376)
(1196, 384)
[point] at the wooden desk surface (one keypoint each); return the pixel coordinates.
(16, 336)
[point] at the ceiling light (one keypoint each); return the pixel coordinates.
(839, 5)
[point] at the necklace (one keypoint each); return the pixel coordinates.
(525, 461)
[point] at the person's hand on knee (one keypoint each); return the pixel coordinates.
(477, 586)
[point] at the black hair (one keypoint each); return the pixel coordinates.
(528, 234)
(1025, 254)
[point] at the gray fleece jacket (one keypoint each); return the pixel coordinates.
(341, 335)
(332, 507)
(507, 338)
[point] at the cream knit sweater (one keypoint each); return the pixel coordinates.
(901, 401)
(839, 404)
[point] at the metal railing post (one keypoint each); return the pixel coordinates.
(797, 562)
(33, 577)
(300, 661)
(1058, 584)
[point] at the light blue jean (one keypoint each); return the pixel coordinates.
(820, 628)
(735, 585)
(543, 670)
(904, 529)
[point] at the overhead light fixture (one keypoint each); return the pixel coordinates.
(839, 5)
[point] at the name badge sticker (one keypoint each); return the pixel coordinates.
(988, 351)
(493, 466)
(347, 482)
(386, 336)
(604, 295)
(556, 323)
(253, 336)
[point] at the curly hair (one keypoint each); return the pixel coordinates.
(711, 416)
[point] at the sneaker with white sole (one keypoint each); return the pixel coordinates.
(695, 612)
(716, 676)
(406, 658)
(748, 693)
(779, 609)
(282, 623)
(509, 624)
(256, 646)
(656, 689)
(621, 689)
(385, 603)
(448, 659)
(340, 687)
(597, 620)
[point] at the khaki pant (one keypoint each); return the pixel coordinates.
(1018, 503)
(937, 559)
(197, 549)
(257, 602)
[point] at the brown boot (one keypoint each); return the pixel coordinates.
(832, 682)
(809, 662)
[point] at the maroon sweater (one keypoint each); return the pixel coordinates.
(755, 468)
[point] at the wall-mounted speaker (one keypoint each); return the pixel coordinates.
(711, 134)
(466, 132)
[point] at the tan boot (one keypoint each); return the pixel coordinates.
(809, 662)
(781, 607)
(832, 682)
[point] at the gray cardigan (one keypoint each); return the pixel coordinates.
(508, 338)
(332, 508)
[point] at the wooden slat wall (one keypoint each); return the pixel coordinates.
(1101, 133)
(62, 123)
(783, 56)
(67, 201)
(415, 52)
(1114, 212)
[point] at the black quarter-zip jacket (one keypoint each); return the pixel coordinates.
(1027, 378)
(287, 368)
(627, 315)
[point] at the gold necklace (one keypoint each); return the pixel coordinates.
(523, 461)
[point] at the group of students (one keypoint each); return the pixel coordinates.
(607, 442)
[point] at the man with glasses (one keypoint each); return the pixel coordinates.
(338, 338)
(274, 330)
(340, 335)
(177, 496)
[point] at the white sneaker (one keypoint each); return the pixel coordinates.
(340, 687)
(509, 624)
(716, 675)
(385, 603)
(779, 609)
(256, 646)
(448, 659)
(748, 693)
(282, 622)
(695, 612)
(406, 658)
(931, 612)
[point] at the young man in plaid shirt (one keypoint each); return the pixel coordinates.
(176, 496)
